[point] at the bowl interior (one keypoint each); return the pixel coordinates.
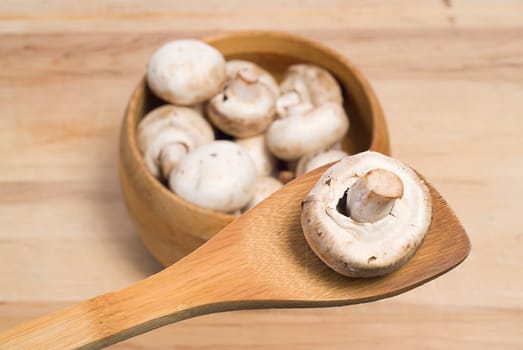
(275, 52)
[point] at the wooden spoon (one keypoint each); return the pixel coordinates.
(261, 260)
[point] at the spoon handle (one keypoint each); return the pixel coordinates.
(197, 285)
(102, 320)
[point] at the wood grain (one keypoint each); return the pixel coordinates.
(261, 260)
(451, 91)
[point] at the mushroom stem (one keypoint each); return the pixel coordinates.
(248, 75)
(244, 89)
(285, 102)
(170, 156)
(372, 196)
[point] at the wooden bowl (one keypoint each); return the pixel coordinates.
(169, 226)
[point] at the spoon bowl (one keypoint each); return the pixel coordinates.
(260, 260)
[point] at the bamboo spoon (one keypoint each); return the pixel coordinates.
(261, 260)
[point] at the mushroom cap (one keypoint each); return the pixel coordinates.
(300, 134)
(219, 175)
(232, 68)
(244, 108)
(257, 148)
(186, 72)
(365, 249)
(165, 126)
(321, 86)
(315, 160)
(263, 188)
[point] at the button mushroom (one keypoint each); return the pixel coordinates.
(319, 84)
(233, 67)
(310, 115)
(246, 106)
(263, 188)
(167, 133)
(367, 215)
(307, 131)
(219, 175)
(257, 148)
(186, 72)
(313, 161)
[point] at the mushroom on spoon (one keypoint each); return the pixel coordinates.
(260, 260)
(367, 215)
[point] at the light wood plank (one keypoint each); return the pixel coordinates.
(99, 15)
(451, 84)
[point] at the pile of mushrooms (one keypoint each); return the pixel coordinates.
(268, 133)
(367, 215)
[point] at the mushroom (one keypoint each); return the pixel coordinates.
(233, 67)
(263, 188)
(257, 148)
(310, 113)
(246, 105)
(186, 72)
(219, 175)
(315, 160)
(320, 85)
(166, 134)
(307, 131)
(367, 215)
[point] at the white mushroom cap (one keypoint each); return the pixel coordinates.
(264, 187)
(364, 249)
(302, 133)
(312, 161)
(233, 67)
(219, 175)
(166, 134)
(186, 72)
(320, 85)
(257, 148)
(245, 107)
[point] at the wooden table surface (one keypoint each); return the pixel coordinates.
(449, 75)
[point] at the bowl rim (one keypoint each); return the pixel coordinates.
(378, 132)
